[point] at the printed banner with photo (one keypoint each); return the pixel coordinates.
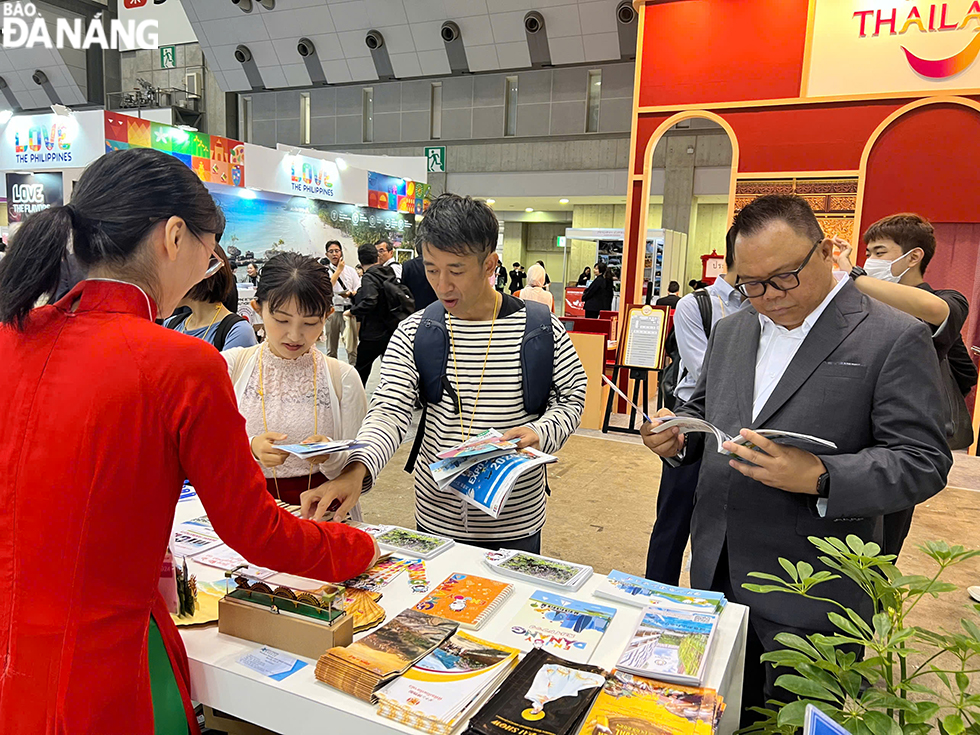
(261, 224)
(399, 195)
(213, 158)
(30, 193)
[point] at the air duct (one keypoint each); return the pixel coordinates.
(307, 51)
(626, 26)
(455, 51)
(243, 55)
(537, 39)
(379, 53)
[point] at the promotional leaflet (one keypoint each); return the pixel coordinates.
(633, 590)
(561, 625)
(467, 599)
(670, 645)
(488, 483)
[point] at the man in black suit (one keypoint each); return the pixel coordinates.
(814, 355)
(672, 297)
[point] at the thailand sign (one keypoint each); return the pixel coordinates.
(868, 47)
(40, 142)
(213, 158)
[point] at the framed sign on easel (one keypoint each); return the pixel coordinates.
(641, 351)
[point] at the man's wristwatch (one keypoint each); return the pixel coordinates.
(823, 485)
(857, 271)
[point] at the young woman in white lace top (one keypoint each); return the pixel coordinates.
(288, 391)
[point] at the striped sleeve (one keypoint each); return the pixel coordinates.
(567, 400)
(390, 414)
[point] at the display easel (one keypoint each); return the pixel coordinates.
(641, 351)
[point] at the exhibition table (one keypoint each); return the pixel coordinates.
(300, 705)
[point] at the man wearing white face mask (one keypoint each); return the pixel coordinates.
(899, 248)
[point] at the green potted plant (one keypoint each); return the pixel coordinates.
(911, 681)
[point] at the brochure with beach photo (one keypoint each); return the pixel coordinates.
(633, 590)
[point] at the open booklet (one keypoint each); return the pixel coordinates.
(315, 449)
(687, 425)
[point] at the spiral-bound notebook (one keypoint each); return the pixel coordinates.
(466, 599)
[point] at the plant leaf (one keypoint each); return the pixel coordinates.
(881, 724)
(804, 687)
(790, 569)
(791, 640)
(962, 681)
(844, 624)
(791, 659)
(792, 714)
(826, 680)
(923, 712)
(953, 724)
(764, 575)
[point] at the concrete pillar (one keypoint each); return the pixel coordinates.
(679, 183)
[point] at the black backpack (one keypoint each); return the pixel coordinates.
(431, 351)
(220, 335)
(399, 299)
(671, 375)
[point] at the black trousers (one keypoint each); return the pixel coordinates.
(531, 544)
(759, 679)
(672, 529)
(896, 529)
(589, 314)
(369, 350)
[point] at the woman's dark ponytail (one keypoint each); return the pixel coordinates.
(115, 204)
(32, 266)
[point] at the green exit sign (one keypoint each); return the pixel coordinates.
(168, 57)
(561, 241)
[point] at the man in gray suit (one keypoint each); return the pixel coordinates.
(814, 355)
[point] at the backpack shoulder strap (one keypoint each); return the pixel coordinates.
(704, 306)
(221, 335)
(178, 320)
(537, 357)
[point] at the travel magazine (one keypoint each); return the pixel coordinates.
(537, 569)
(485, 469)
(670, 645)
(446, 686)
(698, 426)
(561, 625)
(631, 705)
(633, 590)
(545, 695)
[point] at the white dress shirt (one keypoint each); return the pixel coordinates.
(396, 267)
(689, 330)
(348, 280)
(778, 346)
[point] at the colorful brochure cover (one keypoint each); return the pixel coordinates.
(630, 705)
(561, 625)
(441, 689)
(633, 590)
(415, 543)
(466, 598)
(488, 442)
(670, 645)
(538, 569)
(488, 484)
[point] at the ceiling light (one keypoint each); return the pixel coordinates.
(247, 193)
(528, 209)
(341, 164)
(61, 110)
(563, 201)
(187, 128)
(5, 116)
(491, 201)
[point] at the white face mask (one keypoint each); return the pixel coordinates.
(882, 269)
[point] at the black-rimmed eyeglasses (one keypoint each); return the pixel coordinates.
(780, 281)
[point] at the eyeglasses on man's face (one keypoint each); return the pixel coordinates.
(781, 281)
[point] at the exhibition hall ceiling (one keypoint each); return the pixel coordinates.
(492, 33)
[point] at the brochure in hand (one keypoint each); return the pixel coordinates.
(315, 449)
(558, 624)
(622, 587)
(443, 688)
(537, 569)
(416, 543)
(488, 483)
(488, 443)
(699, 426)
(630, 705)
(670, 645)
(545, 695)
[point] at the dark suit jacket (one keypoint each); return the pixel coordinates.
(867, 379)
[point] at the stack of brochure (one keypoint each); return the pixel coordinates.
(622, 587)
(442, 689)
(485, 469)
(670, 645)
(416, 543)
(537, 569)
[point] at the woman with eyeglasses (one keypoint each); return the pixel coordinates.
(206, 314)
(105, 415)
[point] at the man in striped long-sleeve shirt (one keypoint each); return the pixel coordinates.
(458, 237)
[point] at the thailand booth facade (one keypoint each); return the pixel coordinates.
(864, 108)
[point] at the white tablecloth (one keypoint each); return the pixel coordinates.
(300, 705)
